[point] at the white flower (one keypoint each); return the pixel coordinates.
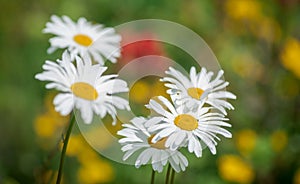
(199, 89)
(84, 87)
(83, 38)
(137, 138)
(184, 127)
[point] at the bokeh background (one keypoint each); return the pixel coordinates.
(257, 43)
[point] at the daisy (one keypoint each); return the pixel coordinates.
(199, 88)
(83, 86)
(138, 138)
(83, 38)
(182, 127)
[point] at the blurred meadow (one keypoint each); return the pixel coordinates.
(257, 43)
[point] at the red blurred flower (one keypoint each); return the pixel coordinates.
(139, 45)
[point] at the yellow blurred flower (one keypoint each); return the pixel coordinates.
(95, 171)
(279, 140)
(159, 89)
(76, 145)
(245, 141)
(87, 154)
(290, 56)
(140, 92)
(297, 177)
(50, 124)
(44, 126)
(248, 14)
(243, 9)
(234, 169)
(79, 145)
(99, 137)
(143, 90)
(92, 168)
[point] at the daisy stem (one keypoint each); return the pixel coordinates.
(152, 177)
(172, 176)
(63, 152)
(168, 174)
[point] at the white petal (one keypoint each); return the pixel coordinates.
(63, 103)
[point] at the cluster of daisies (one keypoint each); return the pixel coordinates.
(192, 119)
(79, 75)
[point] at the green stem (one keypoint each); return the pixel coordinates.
(168, 174)
(63, 152)
(152, 177)
(172, 176)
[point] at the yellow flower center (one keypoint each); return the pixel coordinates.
(195, 92)
(84, 90)
(159, 144)
(83, 40)
(186, 122)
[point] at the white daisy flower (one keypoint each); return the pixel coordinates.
(199, 89)
(184, 127)
(137, 138)
(83, 38)
(84, 86)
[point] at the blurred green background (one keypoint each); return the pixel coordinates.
(257, 43)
